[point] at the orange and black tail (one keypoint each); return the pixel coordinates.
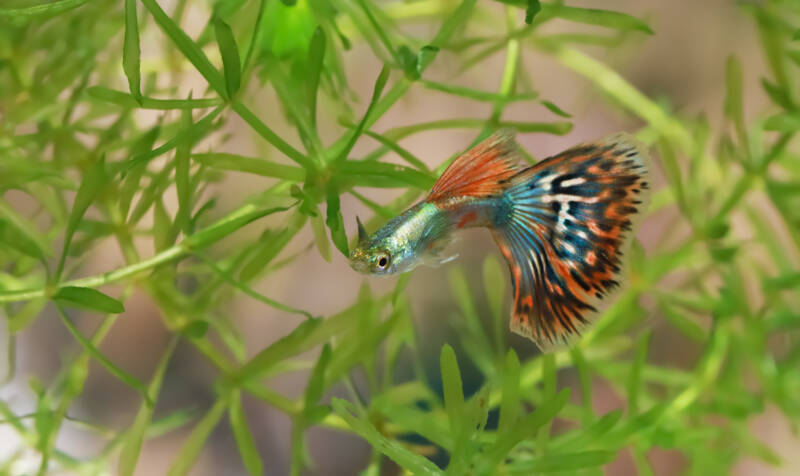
(569, 220)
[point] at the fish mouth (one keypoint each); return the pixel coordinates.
(359, 266)
(358, 263)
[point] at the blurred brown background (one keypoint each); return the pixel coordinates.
(682, 63)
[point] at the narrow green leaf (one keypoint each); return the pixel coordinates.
(320, 237)
(585, 379)
(182, 180)
(194, 444)
(10, 418)
(187, 46)
(21, 232)
(733, 98)
(453, 23)
(549, 376)
(380, 174)
(129, 101)
(778, 94)
(377, 90)
(307, 200)
(88, 298)
(635, 377)
(723, 254)
(130, 50)
(425, 57)
(386, 213)
(469, 324)
(202, 211)
(408, 62)
(368, 337)
(592, 434)
(335, 221)
(534, 7)
(453, 389)
(592, 16)
(231, 63)
(170, 422)
(92, 182)
(784, 122)
(25, 316)
(196, 329)
(307, 335)
(316, 381)
(200, 129)
(45, 420)
(250, 165)
(477, 95)
(135, 436)
(379, 29)
(788, 280)
(509, 404)
(270, 136)
(316, 58)
(415, 421)
(522, 429)
(244, 439)
(163, 234)
(555, 109)
(17, 238)
(270, 248)
(794, 55)
(249, 291)
(396, 148)
(228, 225)
(48, 8)
(557, 128)
(412, 462)
(400, 287)
(123, 376)
(685, 325)
(494, 286)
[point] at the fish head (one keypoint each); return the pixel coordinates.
(376, 254)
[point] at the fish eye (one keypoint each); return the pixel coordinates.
(383, 261)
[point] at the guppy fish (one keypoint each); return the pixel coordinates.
(562, 225)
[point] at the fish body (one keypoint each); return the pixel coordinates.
(420, 234)
(562, 225)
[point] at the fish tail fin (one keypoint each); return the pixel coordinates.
(482, 171)
(569, 222)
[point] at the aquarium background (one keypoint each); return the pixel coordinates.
(201, 164)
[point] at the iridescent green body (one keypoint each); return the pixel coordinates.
(420, 234)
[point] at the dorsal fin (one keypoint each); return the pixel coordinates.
(482, 170)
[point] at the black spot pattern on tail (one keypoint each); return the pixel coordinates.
(569, 220)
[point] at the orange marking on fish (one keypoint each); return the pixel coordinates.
(517, 278)
(467, 219)
(591, 258)
(527, 301)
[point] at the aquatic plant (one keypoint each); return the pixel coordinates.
(99, 127)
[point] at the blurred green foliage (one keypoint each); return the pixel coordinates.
(72, 143)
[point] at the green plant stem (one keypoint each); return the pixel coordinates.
(239, 218)
(558, 128)
(270, 136)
